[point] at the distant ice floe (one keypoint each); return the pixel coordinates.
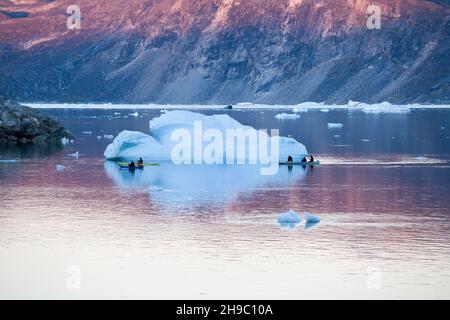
(335, 125)
(135, 114)
(365, 140)
(108, 136)
(99, 137)
(86, 132)
(74, 155)
(384, 107)
(325, 110)
(287, 116)
(60, 167)
(422, 158)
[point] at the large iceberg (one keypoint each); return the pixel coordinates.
(164, 137)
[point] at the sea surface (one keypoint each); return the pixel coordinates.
(206, 232)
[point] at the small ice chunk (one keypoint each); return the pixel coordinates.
(99, 137)
(60, 167)
(8, 161)
(298, 110)
(154, 188)
(334, 125)
(365, 140)
(108, 136)
(310, 218)
(443, 128)
(287, 116)
(136, 114)
(117, 113)
(66, 141)
(325, 110)
(86, 132)
(163, 110)
(421, 158)
(75, 155)
(337, 136)
(289, 217)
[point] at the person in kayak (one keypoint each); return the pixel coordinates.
(132, 165)
(290, 159)
(311, 158)
(140, 162)
(304, 159)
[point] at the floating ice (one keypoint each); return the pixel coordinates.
(117, 113)
(310, 218)
(335, 125)
(154, 188)
(108, 136)
(287, 116)
(136, 114)
(289, 217)
(158, 146)
(86, 132)
(325, 110)
(9, 161)
(365, 140)
(60, 167)
(75, 155)
(337, 136)
(384, 107)
(66, 141)
(299, 110)
(99, 137)
(422, 159)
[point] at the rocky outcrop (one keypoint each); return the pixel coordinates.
(22, 125)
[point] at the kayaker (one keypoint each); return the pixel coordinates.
(140, 162)
(132, 165)
(311, 158)
(290, 159)
(304, 159)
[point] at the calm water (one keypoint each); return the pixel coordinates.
(212, 232)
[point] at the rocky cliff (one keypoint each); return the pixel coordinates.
(226, 51)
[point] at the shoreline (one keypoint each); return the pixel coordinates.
(304, 106)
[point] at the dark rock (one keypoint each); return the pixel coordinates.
(39, 139)
(12, 139)
(229, 107)
(23, 140)
(20, 124)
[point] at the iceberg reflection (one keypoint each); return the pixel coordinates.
(172, 185)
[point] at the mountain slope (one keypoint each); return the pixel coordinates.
(212, 51)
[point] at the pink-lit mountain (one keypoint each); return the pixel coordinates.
(225, 51)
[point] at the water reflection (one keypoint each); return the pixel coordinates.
(29, 151)
(170, 185)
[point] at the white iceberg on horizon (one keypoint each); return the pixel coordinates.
(158, 145)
